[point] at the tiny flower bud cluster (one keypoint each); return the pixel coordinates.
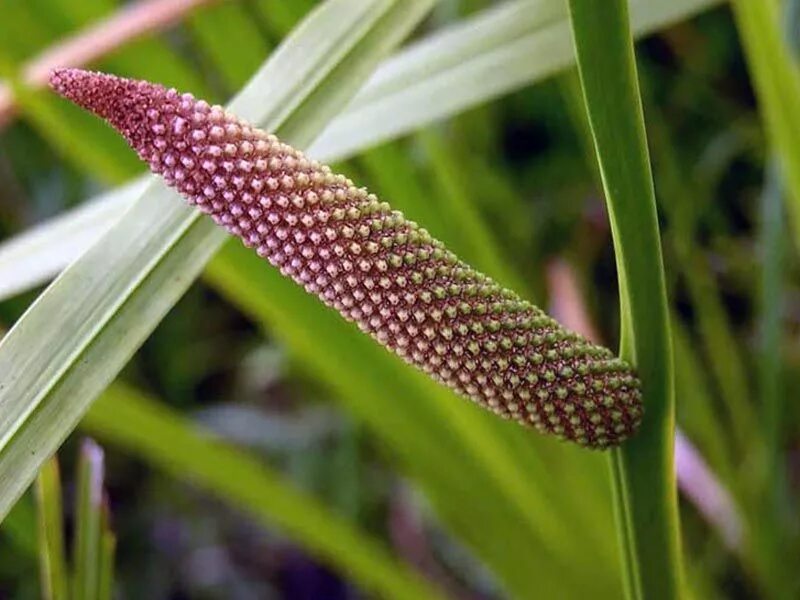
(375, 267)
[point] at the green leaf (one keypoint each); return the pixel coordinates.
(722, 350)
(154, 433)
(33, 258)
(773, 237)
(456, 201)
(50, 526)
(773, 506)
(231, 40)
(696, 410)
(503, 48)
(87, 555)
(108, 549)
(20, 527)
(642, 470)
(281, 16)
(776, 78)
(430, 80)
(111, 299)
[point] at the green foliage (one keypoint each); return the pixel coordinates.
(52, 559)
(93, 546)
(501, 511)
(87, 555)
(776, 78)
(113, 296)
(442, 67)
(642, 470)
(165, 440)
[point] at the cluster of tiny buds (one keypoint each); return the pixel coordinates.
(368, 262)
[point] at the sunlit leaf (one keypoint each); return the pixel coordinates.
(443, 69)
(642, 469)
(106, 304)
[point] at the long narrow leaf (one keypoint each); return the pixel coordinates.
(642, 470)
(504, 49)
(50, 516)
(770, 539)
(776, 77)
(79, 334)
(108, 549)
(86, 550)
(442, 70)
(151, 431)
(32, 259)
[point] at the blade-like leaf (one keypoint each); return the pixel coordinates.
(108, 549)
(455, 200)
(769, 520)
(642, 469)
(504, 49)
(713, 325)
(78, 335)
(695, 410)
(19, 528)
(87, 556)
(430, 80)
(231, 40)
(32, 259)
(776, 78)
(151, 431)
(50, 517)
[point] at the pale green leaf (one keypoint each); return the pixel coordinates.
(78, 334)
(476, 50)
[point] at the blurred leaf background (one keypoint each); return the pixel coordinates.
(258, 446)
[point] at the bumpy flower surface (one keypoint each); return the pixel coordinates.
(367, 261)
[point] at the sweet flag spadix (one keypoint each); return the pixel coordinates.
(371, 264)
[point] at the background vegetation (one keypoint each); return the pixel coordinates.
(254, 445)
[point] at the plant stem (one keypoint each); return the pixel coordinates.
(642, 470)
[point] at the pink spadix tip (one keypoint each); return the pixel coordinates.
(368, 262)
(123, 103)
